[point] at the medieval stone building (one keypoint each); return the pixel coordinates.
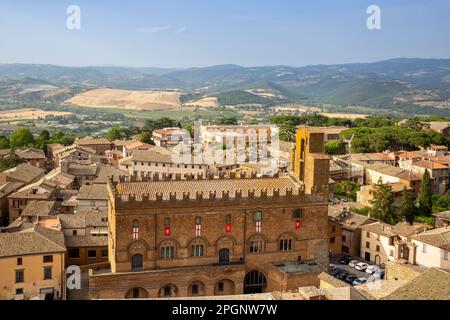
(205, 237)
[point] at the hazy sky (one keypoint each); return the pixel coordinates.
(188, 33)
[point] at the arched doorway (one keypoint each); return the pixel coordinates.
(254, 282)
(137, 262)
(224, 256)
(137, 293)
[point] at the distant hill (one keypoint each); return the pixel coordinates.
(376, 85)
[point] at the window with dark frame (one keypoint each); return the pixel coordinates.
(92, 253)
(48, 259)
(19, 261)
(20, 276)
(47, 273)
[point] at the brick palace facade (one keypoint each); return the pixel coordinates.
(205, 237)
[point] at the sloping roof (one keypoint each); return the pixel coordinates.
(92, 141)
(433, 284)
(121, 143)
(41, 190)
(206, 186)
(83, 219)
(437, 238)
(406, 230)
(9, 187)
(36, 240)
(379, 228)
(93, 192)
(86, 241)
(349, 220)
(31, 153)
(39, 208)
(106, 171)
(429, 164)
(439, 125)
(151, 156)
(72, 221)
(24, 173)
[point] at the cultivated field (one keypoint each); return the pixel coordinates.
(207, 102)
(126, 99)
(28, 114)
(351, 116)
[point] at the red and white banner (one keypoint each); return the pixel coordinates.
(135, 233)
(258, 226)
(198, 230)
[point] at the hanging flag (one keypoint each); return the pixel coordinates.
(258, 226)
(135, 233)
(228, 228)
(298, 224)
(198, 230)
(167, 232)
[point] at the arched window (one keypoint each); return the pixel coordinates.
(257, 216)
(228, 219)
(256, 244)
(167, 250)
(297, 214)
(197, 250)
(135, 230)
(198, 221)
(286, 243)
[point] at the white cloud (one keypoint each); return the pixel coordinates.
(154, 29)
(180, 30)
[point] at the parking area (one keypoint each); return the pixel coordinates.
(335, 260)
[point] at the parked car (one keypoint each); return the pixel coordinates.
(372, 269)
(332, 266)
(345, 260)
(361, 266)
(353, 263)
(342, 275)
(359, 281)
(350, 278)
(335, 271)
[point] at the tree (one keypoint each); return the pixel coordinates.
(333, 148)
(11, 161)
(22, 138)
(383, 203)
(44, 135)
(408, 209)
(425, 198)
(227, 121)
(114, 133)
(4, 142)
(146, 137)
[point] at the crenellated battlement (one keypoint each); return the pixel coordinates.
(164, 199)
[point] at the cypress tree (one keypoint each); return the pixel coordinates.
(408, 209)
(425, 198)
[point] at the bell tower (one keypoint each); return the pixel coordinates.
(309, 163)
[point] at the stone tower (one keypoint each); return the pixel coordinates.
(309, 163)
